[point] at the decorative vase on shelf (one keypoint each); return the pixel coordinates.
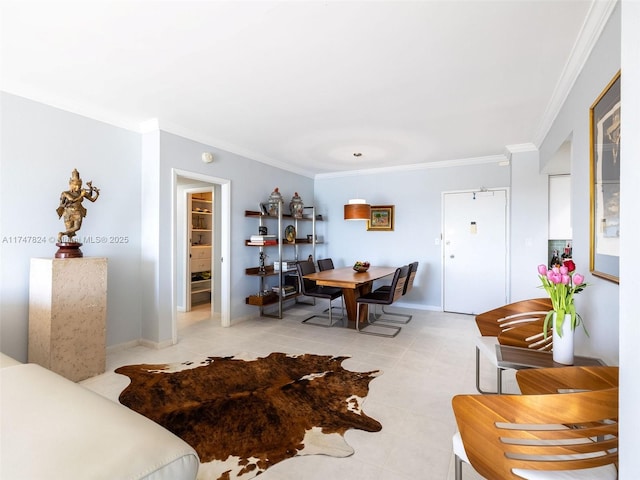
(296, 207)
(275, 199)
(563, 345)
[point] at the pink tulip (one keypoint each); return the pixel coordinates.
(564, 270)
(565, 279)
(556, 278)
(542, 269)
(578, 279)
(549, 274)
(556, 269)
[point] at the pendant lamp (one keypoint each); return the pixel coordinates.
(357, 209)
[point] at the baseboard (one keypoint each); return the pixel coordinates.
(134, 343)
(122, 346)
(156, 345)
(417, 306)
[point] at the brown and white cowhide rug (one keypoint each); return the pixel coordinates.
(243, 416)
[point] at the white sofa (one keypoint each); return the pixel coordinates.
(52, 428)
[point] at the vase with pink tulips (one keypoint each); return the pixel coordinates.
(562, 283)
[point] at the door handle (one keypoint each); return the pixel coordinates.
(452, 256)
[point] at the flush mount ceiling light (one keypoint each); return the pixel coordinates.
(357, 209)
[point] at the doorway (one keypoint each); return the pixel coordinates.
(475, 250)
(220, 253)
(199, 284)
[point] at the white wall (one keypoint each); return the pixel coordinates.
(529, 209)
(629, 241)
(40, 147)
(598, 304)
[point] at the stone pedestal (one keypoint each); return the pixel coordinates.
(67, 315)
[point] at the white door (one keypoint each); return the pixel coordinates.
(475, 251)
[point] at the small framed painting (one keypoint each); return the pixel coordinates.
(381, 218)
(605, 183)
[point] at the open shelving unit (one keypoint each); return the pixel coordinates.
(201, 242)
(271, 277)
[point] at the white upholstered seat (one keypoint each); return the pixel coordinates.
(607, 472)
(53, 428)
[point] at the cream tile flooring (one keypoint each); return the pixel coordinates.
(431, 360)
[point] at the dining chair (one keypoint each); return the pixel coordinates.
(538, 437)
(408, 286)
(382, 298)
(505, 325)
(325, 264)
(309, 288)
(536, 381)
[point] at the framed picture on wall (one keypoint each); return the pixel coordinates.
(605, 183)
(381, 218)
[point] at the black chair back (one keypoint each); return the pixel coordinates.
(312, 289)
(305, 268)
(400, 283)
(382, 297)
(325, 264)
(389, 295)
(413, 269)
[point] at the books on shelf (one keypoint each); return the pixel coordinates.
(261, 238)
(285, 264)
(286, 290)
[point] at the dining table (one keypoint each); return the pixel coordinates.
(353, 284)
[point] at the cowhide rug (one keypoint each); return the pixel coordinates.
(243, 416)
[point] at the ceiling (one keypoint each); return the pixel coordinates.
(304, 85)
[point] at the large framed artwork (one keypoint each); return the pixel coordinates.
(605, 183)
(381, 218)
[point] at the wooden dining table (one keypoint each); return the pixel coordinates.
(353, 284)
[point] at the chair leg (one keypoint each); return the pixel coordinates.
(326, 310)
(402, 315)
(395, 330)
(307, 321)
(458, 467)
(498, 377)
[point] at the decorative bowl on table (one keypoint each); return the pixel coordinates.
(361, 267)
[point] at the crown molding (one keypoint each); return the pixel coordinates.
(498, 159)
(149, 126)
(69, 105)
(594, 23)
(214, 143)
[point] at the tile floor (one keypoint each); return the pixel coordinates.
(431, 360)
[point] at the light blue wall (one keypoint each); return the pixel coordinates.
(417, 197)
(40, 147)
(599, 303)
(529, 225)
(251, 183)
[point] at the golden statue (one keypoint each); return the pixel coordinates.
(71, 205)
